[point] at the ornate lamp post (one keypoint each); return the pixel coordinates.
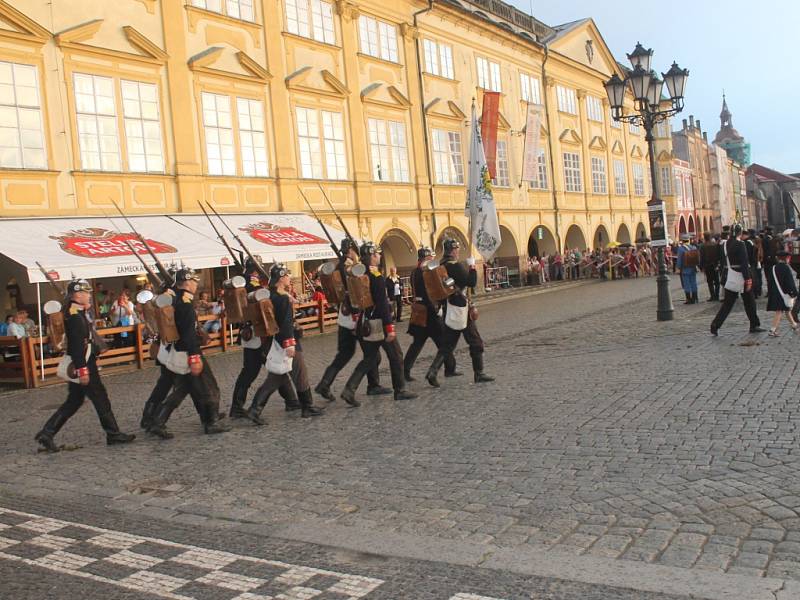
(647, 89)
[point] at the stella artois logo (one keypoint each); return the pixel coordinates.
(275, 235)
(96, 242)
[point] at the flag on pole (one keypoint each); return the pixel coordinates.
(530, 157)
(480, 206)
(489, 119)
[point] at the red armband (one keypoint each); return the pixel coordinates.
(83, 371)
(290, 343)
(389, 328)
(194, 359)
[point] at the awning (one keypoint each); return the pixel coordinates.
(92, 247)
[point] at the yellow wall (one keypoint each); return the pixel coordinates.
(187, 50)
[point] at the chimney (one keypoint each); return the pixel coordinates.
(691, 121)
(698, 124)
(705, 136)
(685, 125)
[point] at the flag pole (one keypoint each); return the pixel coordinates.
(469, 228)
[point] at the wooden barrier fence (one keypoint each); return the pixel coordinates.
(23, 364)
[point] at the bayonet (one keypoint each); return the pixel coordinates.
(167, 278)
(334, 247)
(222, 238)
(338, 218)
(257, 262)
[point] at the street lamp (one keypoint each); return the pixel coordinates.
(647, 90)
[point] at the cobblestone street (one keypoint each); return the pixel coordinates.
(615, 457)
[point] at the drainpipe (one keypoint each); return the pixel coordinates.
(550, 145)
(425, 137)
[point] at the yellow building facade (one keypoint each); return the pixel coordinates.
(160, 104)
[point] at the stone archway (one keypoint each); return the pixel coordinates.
(575, 238)
(691, 225)
(541, 241)
(681, 226)
(399, 251)
(452, 233)
(624, 234)
(641, 231)
(601, 237)
(507, 254)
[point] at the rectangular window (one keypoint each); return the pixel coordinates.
(252, 140)
(488, 74)
(662, 129)
(21, 127)
(567, 101)
(218, 129)
(378, 38)
(501, 165)
(541, 183)
(447, 162)
(594, 109)
(387, 141)
(142, 127)
(98, 137)
(638, 179)
(438, 59)
(312, 19)
(634, 129)
(530, 88)
(599, 183)
(666, 181)
(620, 181)
(322, 148)
(572, 172)
(238, 9)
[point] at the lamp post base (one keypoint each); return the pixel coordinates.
(665, 311)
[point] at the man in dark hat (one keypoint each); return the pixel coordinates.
(82, 352)
(688, 259)
(738, 281)
(753, 243)
(464, 277)
(192, 373)
(346, 337)
(709, 263)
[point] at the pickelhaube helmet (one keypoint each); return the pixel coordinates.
(736, 230)
(250, 264)
(451, 244)
(368, 249)
(424, 252)
(78, 285)
(347, 245)
(186, 274)
(276, 271)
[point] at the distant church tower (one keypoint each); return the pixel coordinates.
(727, 137)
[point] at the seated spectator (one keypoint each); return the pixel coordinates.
(4, 325)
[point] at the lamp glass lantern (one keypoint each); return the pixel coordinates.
(641, 57)
(615, 89)
(655, 90)
(640, 83)
(675, 79)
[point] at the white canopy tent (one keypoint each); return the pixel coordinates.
(93, 247)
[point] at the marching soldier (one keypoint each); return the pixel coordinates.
(299, 375)
(346, 336)
(381, 334)
(81, 349)
(709, 262)
(195, 377)
(432, 327)
(454, 327)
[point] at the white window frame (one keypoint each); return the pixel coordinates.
(98, 128)
(218, 131)
(321, 140)
(573, 179)
(252, 137)
(447, 157)
(530, 88)
(438, 58)
(502, 172)
(662, 129)
(594, 109)
(312, 19)
(388, 150)
(244, 10)
(614, 123)
(567, 100)
(489, 75)
(634, 129)
(620, 178)
(599, 175)
(638, 179)
(666, 180)
(378, 38)
(142, 121)
(22, 119)
(541, 182)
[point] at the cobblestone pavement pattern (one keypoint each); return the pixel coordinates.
(608, 435)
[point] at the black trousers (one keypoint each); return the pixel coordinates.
(77, 393)
(727, 304)
(157, 396)
(345, 350)
(370, 360)
(273, 383)
(450, 339)
(204, 391)
(399, 311)
(299, 372)
(712, 279)
(420, 336)
(252, 361)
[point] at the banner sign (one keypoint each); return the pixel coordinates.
(489, 118)
(530, 157)
(657, 212)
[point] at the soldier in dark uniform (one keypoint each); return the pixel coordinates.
(346, 336)
(464, 277)
(709, 262)
(380, 311)
(734, 252)
(199, 381)
(768, 244)
(80, 347)
(749, 239)
(284, 316)
(433, 327)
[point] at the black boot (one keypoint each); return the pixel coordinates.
(349, 391)
(433, 370)
(45, 440)
(237, 410)
(477, 369)
(119, 438)
(254, 413)
(147, 415)
(407, 376)
(378, 390)
(404, 395)
(49, 431)
(453, 373)
(324, 387)
(215, 427)
(113, 434)
(307, 404)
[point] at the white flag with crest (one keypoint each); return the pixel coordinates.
(480, 207)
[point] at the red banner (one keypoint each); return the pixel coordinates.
(274, 235)
(489, 118)
(95, 242)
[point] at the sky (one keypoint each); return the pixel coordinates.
(747, 48)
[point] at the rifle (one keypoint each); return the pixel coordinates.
(334, 247)
(51, 281)
(154, 279)
(338, 218)
(167, 278)
(257, 263)
(222, 239)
